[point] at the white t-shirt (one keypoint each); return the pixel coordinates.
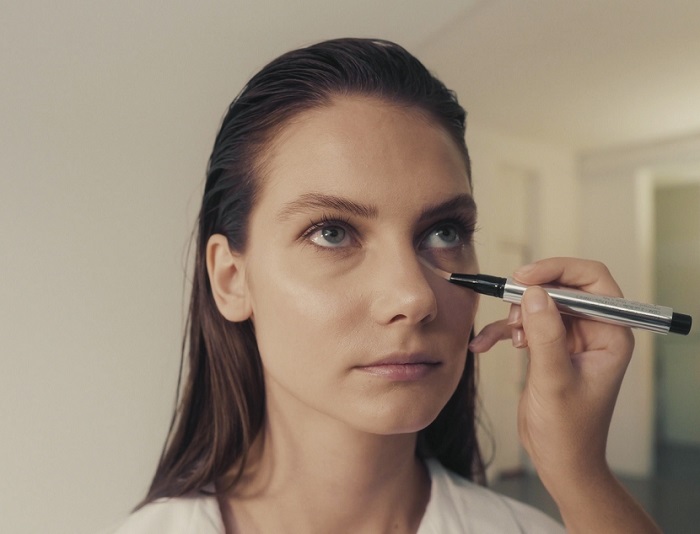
(456, 506)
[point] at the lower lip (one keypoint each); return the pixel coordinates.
(401, 371)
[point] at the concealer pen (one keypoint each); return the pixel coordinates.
(613, 310)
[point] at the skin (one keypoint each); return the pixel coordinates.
(331, 301)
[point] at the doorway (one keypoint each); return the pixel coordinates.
(677, 284)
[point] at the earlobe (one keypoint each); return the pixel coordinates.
(226, 271)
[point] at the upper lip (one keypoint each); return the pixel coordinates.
(404, 358)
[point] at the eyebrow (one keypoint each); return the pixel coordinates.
(463, 203)
(314, 201)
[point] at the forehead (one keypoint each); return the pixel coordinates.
(365, 149)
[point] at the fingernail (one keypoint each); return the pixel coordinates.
(519, 340)
(535, 300)
(514, 316)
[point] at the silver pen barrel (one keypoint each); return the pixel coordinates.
(613, 310)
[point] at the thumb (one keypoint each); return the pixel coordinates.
(550, 362)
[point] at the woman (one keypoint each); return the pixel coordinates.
(331, 377)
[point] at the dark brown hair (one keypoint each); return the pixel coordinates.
(223, 402)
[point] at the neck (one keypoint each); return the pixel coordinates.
(341, 480)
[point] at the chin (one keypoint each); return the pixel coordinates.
(408, 417)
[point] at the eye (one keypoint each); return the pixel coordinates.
(329, 234)
(444, 235)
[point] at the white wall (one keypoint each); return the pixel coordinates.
(104, 136)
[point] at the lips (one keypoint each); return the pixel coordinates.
(405, 359)
(402, 367)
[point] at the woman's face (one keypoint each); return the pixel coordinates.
(351, 326)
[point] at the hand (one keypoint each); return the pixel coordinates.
(574, 374)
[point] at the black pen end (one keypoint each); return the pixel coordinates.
(681, 324)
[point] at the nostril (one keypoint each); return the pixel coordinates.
(404, 292)
(417, 305)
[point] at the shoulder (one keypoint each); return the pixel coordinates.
(458, 505)
(196, 514)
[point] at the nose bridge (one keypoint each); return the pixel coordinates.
(403, 292)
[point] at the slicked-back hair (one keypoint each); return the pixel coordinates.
(222, 406)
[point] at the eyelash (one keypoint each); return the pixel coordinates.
(324, 222)
(466, 226)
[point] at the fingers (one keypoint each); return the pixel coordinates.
(490, 335)
(542, 330)
(515, 321)
(510, 328)
(550, 362)
(588, 275)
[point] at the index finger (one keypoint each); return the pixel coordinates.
(588, 275)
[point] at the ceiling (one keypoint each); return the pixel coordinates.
(584, 74)
(589, 74)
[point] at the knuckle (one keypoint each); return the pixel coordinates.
(602, 269)
(546, 340)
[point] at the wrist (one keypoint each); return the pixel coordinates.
(597, 502)
(568, 484)
(570, 489)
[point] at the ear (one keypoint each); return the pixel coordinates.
(226, 270)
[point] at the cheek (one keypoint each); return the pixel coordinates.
(457, 308)
(299, 317)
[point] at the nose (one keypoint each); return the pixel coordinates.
(403, 293)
